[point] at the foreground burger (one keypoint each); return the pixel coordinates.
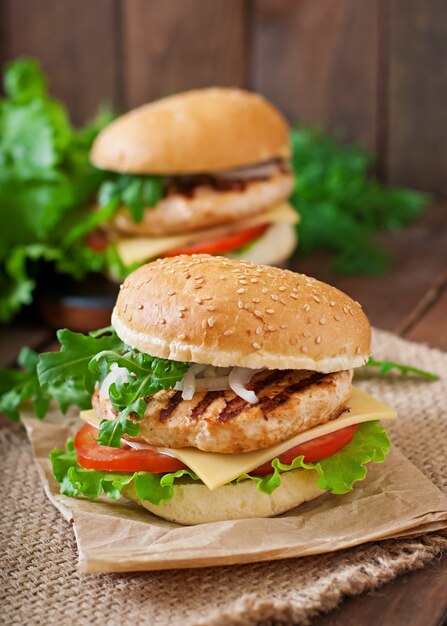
(204, 171)
(223, 391)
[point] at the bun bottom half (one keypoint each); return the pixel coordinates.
(194, 503)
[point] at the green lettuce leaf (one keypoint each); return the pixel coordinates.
(76, 481)
(337, 473)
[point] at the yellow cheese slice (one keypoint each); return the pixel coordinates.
(138, 249)
(216, 469)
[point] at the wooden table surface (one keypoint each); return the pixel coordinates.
(410, 300)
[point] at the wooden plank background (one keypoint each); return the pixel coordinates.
(374, 71)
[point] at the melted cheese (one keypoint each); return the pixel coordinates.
(137, 249)
(216, 469)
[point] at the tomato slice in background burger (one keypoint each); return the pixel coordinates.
(313, 450)
(220, 244)
(126, 459)
(97, 240)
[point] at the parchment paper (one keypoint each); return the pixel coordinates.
(395, 500)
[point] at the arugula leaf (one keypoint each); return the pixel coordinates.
(71, 362)
(17, 386)
(341, 207)
(387, 366)
(146, 376)
(135, 192)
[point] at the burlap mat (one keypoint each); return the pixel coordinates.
(40, 583)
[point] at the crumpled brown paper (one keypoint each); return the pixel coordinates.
(395, 500)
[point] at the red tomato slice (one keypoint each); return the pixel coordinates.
(97, 240)
(220, 244)
(126, 459)
(313, 450)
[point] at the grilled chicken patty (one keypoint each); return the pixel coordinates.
(290, 402)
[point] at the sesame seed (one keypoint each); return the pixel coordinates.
(282, 301)
(140, 307)
(322, 320)
(264, 290)
(294, 341)
(271, 328)
(331, 303)
(229, 332)
(181, 315)
(295, 289)
(211, 308)
(337, 318)
(203, 324)
(198, 278)
(358, 303)
(163, 321)
(318, 339)
(207, 297)
(211, 322)
(197, 286)
(351, 312)
(199, 281)
(255, 300)
(317, 299)
(258, 313)
(182, 308)
(294, 296)
(304, 349)
(270, 311)
(240, 305)
(258, 330)
(283, 326)
(282, 288)
(306, 307)
(199, 300)
(188, 275)
(241, 290)
(121, 286)
(358, 351)
(253, 280)
(182, 336)
(307, 334)
(256, 346)
(243, 281)
(345, 309)
(273, 297)
(171, 292)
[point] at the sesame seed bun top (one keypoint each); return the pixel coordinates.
(225, 312)
(204, 130)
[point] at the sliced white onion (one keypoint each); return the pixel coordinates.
(116, 373)
(197, 368)
(189, 385)
(238, 378)
(219, 383)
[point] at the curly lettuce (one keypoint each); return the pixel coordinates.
(336, 473)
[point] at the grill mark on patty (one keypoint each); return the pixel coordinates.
(237, 405)
(267, 404)
(203, 404)
(169, 409)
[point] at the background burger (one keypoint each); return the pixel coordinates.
(223, 391)
(203, 171)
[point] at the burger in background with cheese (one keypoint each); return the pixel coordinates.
(204, 171)
(223, 390)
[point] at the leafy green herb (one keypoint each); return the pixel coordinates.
(341, 207)
(337, 473)
(17, 386)
(134, 192)
(46, 181)
(387, 366)
(146, 375)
